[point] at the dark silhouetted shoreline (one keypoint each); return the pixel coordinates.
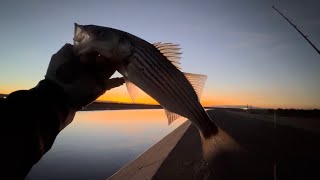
(118, 106)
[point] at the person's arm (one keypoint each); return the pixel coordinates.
(31, 119)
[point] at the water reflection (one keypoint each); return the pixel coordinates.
(98, 143)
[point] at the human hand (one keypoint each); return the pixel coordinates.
(83, 78)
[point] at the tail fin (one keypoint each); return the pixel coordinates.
(223, 158)
(216, 144)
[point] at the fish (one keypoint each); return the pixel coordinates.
(153, 68)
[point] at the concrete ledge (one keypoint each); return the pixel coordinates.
(146, 165)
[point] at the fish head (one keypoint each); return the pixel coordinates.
(108, 42)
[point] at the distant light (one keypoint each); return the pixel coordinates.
(4, 97)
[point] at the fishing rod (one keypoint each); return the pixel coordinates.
(305, 37)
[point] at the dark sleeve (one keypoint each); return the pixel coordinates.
(30, 122)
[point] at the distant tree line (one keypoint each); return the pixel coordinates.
(314, 113)
(296, 112)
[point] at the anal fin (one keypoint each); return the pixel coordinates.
(171, 116)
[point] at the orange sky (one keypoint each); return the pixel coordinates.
(251, 56)
(210, 97)
(121, 95)
(216, 97)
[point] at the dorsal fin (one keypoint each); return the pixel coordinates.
(171, 51)
(197, 81)
(171, 116)
(133, 90)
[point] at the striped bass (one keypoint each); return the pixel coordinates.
(154, 68)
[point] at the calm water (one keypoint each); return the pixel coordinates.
(98, 143)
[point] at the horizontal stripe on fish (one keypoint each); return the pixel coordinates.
(160, 78)
(146, 71)
(191, 101)
(158, 67)
(187, 91)
(173, 83)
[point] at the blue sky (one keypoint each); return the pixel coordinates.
(250, 54)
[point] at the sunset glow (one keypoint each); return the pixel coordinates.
(250, 55)
(210, 97)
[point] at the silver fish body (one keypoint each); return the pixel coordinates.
(145, 66)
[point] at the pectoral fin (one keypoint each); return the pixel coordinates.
(171, 116)
(133, 90)
(197, 81)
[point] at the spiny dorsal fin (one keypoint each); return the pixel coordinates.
(171, 116)
(133, 90)
(171, 51)
(197, 81)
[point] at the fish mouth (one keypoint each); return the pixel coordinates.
(80, 35)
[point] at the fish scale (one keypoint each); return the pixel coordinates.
(164, 75)
(182, 94)
(168, 79)
(154, 68)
